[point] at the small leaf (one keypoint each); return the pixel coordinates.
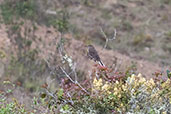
(34, 101)
(60, 93)
(66, 107)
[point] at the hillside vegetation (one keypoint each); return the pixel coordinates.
(44, 68)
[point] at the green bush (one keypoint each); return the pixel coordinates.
(106, 95)
(115, 94)
(14, 9)
(60, 21)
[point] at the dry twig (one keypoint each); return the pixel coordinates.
(75, 82)
(106, 38)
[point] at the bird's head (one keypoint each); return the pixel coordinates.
(89, 46)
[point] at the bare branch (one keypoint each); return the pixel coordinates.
(64, 57)
(107, 39)
(75, 82)
(47, 62)
(97, 76)
(103, 33)
(81, 87)
(65, 101)
(90, 75)
(60, 49)
(67, 75)
(50, 94)
(75, 74)
(71, 101)
(118, 66)
(73, 70)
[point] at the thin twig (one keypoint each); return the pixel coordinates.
(50, 94)
(106, 38)
(47, 62)
(118, 66)
(97, 76)
(67, 75)
(81, 87)
(73, 70)
(52, 69)
(75, 82)
(70, 98)
(75, 74)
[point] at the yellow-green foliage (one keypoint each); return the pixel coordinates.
(136, 95)
(2, 54)
(142, 39)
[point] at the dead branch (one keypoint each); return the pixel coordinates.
(118, 66)
(73, 70)
(106, 38)
(67, 75)
(75, 82)
(66, 58)
(55, 98)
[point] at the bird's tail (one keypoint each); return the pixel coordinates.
(101, 63)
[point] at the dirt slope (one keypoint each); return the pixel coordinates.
(76, 49)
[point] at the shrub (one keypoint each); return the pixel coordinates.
(9, 107)
(116, 94)
(11, 9)
(106, 94)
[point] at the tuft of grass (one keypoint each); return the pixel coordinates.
(6, 12)
(142, 40)
(126, 25)
(168, 35)
(2, 54)
(168, 2)
(167, 45)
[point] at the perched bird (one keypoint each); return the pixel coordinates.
(92, 54)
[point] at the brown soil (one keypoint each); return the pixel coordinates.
(77, 50)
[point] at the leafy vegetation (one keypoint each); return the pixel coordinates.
(106, 94)
(105, 91)
(61, 21)
(14, 9)
(9, 107)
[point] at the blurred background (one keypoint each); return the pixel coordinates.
(31, 32)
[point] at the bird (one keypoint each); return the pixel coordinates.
(92, 54)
